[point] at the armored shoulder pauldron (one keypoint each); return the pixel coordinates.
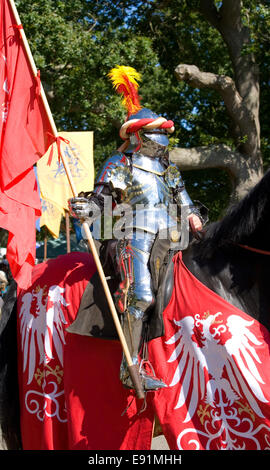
(120, 177)
(173, 178)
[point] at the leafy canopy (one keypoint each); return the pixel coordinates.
(76, 42)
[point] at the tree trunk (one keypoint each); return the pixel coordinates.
(241, 98)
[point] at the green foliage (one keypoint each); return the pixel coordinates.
(75, 52)
(212, 187)
(76, 42)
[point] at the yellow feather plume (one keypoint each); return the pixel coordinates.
(125, 81)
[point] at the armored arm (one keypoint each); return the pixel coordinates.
(91, 205)
(194, 208)
(181, 197)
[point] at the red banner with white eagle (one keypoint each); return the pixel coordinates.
(214, 358)
(216, 362)
(71, 397)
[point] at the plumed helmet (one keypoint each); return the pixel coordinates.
(156, 134)
(139, 120)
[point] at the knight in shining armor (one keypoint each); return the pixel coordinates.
(138, 174)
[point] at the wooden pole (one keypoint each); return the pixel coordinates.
(45, 247)
(67, 231)
(133, 369)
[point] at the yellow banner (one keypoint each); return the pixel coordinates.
(53, 183)
(51, 217)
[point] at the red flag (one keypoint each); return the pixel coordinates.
(26, 134)
(215, 360)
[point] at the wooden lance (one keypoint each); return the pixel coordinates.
(133, 368)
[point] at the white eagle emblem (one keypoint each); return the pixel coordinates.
(230, 362)
(42, 330)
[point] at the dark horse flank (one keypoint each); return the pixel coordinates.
(237, 274)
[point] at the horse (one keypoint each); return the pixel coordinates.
(230, 263)
(233, 257)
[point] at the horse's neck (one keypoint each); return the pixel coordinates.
(240, 280)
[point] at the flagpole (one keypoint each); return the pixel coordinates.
(133, 369)
(45, 245)
(42, 92)
(67, 231)
(32, 64)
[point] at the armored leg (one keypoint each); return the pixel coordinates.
(134, 297)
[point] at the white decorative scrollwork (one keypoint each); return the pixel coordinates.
(220, 385)
(222, 431)
(46, 403)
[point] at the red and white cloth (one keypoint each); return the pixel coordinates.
(215, 359)
(70, 393)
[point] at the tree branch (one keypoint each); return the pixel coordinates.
(208, 9)
(235, 105)
(227, 20)
(241, 99)
(230, 13)
(213, 156)
(244, 174)
(223, 84)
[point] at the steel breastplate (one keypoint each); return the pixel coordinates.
(146, 185)
(150, 196)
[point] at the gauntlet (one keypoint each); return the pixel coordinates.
(85, 207)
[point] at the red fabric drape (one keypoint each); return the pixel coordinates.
(215, 360)
(70, 393)
(24, 128)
